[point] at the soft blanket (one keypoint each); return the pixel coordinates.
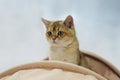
(47, 74)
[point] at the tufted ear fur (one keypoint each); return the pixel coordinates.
(46, 22)
(69, 21)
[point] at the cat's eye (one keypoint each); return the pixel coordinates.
(49, 33)
(60, 33)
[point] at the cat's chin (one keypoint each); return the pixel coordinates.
(53, 43)
(62, 43)
(59, 44)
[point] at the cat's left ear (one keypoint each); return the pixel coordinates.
(69, 21)
(46, 22)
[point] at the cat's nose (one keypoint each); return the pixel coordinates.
(54, 37)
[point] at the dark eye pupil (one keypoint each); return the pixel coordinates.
(49, 33)
(60, 33)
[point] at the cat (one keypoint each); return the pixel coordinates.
(63, 42)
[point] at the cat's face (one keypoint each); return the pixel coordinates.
(60, 33)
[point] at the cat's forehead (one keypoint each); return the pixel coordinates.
(57, 25)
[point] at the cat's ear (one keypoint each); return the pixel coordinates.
(46, 22)
(69, 21)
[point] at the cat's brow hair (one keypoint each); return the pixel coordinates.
(56, 26)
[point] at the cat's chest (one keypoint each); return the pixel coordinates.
(63, 54)
(58, 53)
(57, 50)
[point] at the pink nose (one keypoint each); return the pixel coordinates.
(54, 37)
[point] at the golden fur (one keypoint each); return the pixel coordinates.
(63, 41)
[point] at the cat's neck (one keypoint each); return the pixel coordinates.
(74, 44)
(70, 53)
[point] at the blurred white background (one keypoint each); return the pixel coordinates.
(22, 34)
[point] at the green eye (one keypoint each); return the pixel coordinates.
(49, 33)
(60, 33)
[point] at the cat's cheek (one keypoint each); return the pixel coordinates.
(57, 40)
(49, 41)
(52, 42)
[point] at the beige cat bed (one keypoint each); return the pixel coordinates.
(101, 70)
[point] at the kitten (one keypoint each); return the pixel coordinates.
(63, 42)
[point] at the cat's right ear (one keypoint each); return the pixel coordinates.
(69, 21)
(46, 22)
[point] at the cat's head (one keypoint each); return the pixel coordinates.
(60, 33)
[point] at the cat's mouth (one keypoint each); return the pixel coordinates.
(54, 41)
